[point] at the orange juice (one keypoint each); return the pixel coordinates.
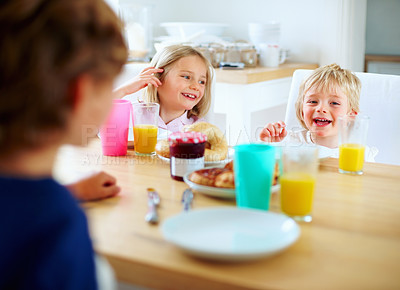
(351, 157)
(297, 190)
(145, 138)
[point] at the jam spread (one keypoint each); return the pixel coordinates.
(186, 153)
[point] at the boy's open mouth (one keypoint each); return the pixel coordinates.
(321, 122)
(189, 96)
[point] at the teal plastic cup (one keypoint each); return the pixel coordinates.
(254, 169)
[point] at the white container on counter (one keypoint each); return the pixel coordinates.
(188, 29)
(268, 32)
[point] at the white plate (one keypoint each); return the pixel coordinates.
(230, 233)
(220, 163)
(228, 193)
(165, 159)
(220, 192)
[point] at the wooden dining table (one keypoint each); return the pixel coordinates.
(353, 241)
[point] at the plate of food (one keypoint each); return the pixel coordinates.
(230, 233)
(220, 182)
(209, 177)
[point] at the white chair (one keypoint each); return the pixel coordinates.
(379, 99)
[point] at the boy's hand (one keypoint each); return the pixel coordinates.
(97, 186)
(274, 132)
(142, 80)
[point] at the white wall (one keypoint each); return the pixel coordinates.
(298, 30)
(314, 30)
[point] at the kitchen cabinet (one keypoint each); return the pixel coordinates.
(382, 64)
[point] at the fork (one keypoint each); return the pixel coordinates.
(153, 200)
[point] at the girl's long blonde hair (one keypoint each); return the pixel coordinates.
(165, 59)
(327, 78)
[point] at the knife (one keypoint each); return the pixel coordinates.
(187, 198)
(153, 200)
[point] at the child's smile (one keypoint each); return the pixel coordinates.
(189, 96)
(322, 122)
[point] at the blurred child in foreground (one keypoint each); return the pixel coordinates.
(58, 60)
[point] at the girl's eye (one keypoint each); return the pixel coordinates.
(335, 103)
(202, 82)
(311, 102)
(186, 77)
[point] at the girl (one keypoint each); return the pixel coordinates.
(179, 79)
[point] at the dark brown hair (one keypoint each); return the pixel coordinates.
(45, 45)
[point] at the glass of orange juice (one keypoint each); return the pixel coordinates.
(145, 128)
(352, 139)
(300, 166)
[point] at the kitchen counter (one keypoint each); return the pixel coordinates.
(380, 58)
(260, 74)
(247, 75)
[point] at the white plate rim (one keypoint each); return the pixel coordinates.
(165, 159)
(173, 227)
(210, 190)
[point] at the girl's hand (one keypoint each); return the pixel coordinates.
(142, 80)
(97, 186)
(274, 132)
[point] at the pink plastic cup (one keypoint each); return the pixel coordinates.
(114, 132)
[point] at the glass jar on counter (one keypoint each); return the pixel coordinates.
(206, 51)
(218, 53)
(137, 19)
(186, 153)
(248, 54)
(214, 52)
(241, 52)
(232, 53)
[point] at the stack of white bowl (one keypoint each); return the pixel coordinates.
(268, 32)
(195, 33)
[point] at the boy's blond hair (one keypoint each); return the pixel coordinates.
(327, 78)
(165, 59)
